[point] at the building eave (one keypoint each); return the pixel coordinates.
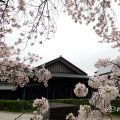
(6, 86)
(62, 75)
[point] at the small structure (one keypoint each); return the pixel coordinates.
(104, 70)
(65, 76)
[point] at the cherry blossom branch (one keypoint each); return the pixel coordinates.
(19, 116)
(6, 5)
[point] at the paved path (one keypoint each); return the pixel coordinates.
(12, 116)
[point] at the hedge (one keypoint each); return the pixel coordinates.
(15, 105)
(76, 102)
(26, 106)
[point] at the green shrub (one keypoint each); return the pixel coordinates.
(26, 105)
(76, 102)
(15, 105)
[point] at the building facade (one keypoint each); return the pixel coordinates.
(65, 76)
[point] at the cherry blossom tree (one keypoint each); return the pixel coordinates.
(106, 87)
(35, 20)
(16, 72)
(18, 15)
(100, 13)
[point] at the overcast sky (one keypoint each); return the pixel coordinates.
(76, 43)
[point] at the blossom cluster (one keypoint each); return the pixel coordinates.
(80, 90)
(70, 116)
(94, 82)
(98, 12)
(41, 104)
(106, 87)
(42, 107)
(84, 113)
(108, 92)
(33, 19)
(17, 71)
(14, 72)
(4, 50)
(18, 74)
(37, 117)
(42, 75)
(102, 62)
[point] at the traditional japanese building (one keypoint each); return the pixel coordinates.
(65, 76)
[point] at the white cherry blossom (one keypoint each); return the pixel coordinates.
(80, 90)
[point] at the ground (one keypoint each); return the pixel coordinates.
(12, 116)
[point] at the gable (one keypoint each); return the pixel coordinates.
(61, 65)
